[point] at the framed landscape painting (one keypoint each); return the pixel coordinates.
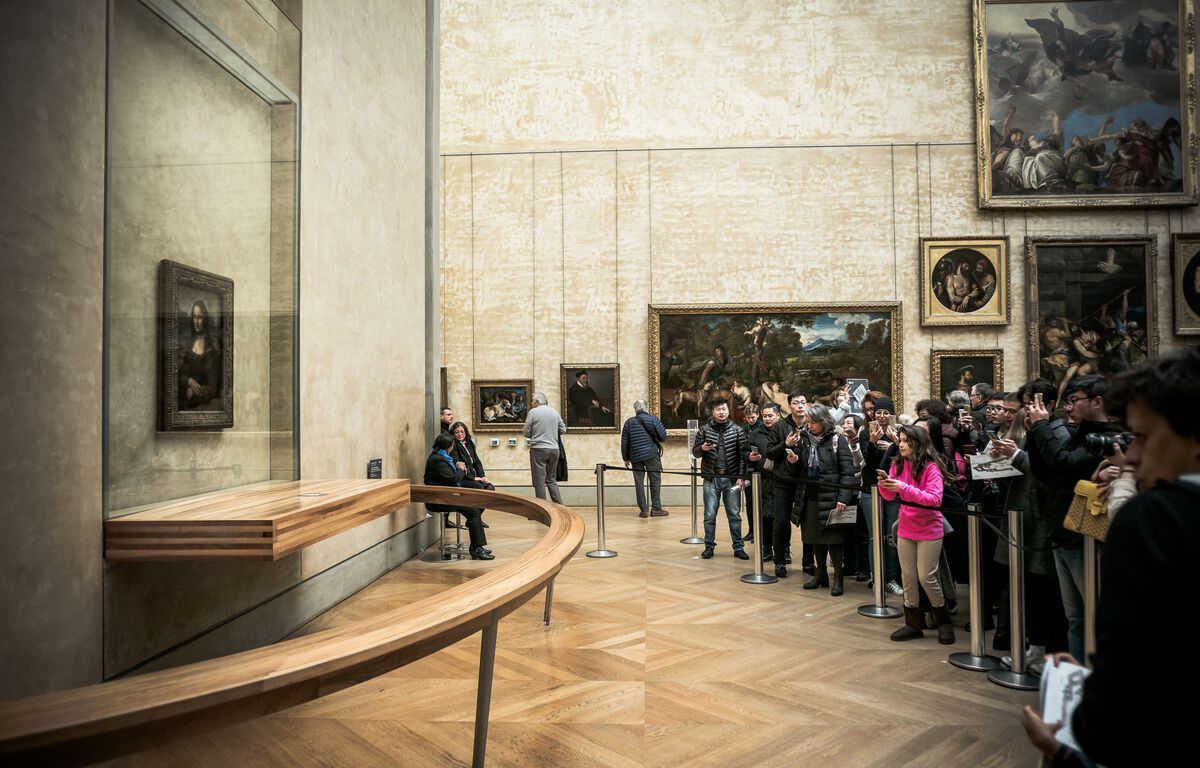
(951, 369)
(757, 354)
(1091, 305)
(1083, 104)
(500, 405)
(591, 396)
(964, 281)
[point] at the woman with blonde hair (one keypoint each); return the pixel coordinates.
(917, 476)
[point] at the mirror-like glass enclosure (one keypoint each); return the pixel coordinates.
(201, 252)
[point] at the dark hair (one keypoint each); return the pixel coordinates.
(1161, 385)
(1014, 397)
(458, 424)
(1092, 385)
(718, 400)
(1042, 387)
(770, 407)
(934, 407)
(1001, 396)
(443, 441)
(934, 425)
(924, 453)
(580, 373)
(444, 409)
(793, 395)
(858, 420)
(750, 408)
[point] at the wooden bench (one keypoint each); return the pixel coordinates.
(86, 725)
(261, 522)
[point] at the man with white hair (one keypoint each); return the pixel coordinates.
(642, 437)
(543, 425)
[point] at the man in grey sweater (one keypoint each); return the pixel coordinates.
(543, 425)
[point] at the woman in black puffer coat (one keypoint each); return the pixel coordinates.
(828, 460)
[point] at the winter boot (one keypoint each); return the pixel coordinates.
(945, 628)
(912, 625)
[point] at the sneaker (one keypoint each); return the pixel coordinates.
(659, 513)
(643, 513)
(860, 577)
(707, 553)
(740, 554)
(894, 588)
(781, 571)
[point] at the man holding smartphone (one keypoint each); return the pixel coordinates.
(783, 452)
(721, 447)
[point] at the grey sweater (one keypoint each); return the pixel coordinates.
(543, 425)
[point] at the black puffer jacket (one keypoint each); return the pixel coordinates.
(837, 466)
(730, 443)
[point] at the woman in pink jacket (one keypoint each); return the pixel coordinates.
(917, 476)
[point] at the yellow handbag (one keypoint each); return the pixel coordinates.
(1088, 513)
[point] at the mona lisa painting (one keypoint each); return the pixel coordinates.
(195, 341)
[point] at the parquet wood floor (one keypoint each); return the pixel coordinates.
(653, 658)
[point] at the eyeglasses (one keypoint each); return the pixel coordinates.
(1073, 400)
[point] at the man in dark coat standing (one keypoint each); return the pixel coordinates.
(642, 437)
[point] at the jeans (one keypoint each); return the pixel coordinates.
(653, 465)
(715, 490)
(1069, 564)
(543, 464)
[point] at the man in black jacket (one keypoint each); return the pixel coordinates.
(1065, 460)
(440, 469)
(642, 437)
(1150, 553)
(721, 447)
(757, 437)
(788, 467)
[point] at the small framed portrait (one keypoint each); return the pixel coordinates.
(1185, 276)
(591, 396)
(500, 405)
(951, 369)
(195, 341)
(964, 281)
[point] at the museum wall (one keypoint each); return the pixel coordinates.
(600, 159)
(361, 356)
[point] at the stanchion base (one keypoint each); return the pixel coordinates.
(879, 611)
(759, 578)
(601, 553)
(692, 540)
(1021, 681)
(975, 663)
(435, 555)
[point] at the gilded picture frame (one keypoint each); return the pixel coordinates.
(1091, 305)
(1085, 104)
(500, 405)
(951, 369)
(965, 281)
(1185, 282)
(590, 397)
(758, 353)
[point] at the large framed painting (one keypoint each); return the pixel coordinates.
(195, 342)
(500, 405)
(591, 396)
(1083, 104)
(964, 281)
(1091, 305)
(757, 354)
(1185, 281)
(951, 369)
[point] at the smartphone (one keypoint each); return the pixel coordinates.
(991, 433)
(881, 474)
(968, 450)
(891, 419)
(962, 412)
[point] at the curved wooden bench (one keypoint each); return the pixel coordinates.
(94, 723)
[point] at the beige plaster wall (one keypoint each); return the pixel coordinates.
(716, 153)
(51, 325)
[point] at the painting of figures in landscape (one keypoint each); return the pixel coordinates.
(1091, 305)
(1084, 103)
(759, 354)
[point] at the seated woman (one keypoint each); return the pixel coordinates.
(440, 469)
(466, 457)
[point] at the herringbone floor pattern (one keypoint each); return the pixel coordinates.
(654, 658)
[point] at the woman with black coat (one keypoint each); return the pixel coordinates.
(441, 469)
(829, 461)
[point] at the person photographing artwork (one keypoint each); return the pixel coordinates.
(917, 476)
(1134, 710)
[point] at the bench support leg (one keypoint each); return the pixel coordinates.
(483, 702)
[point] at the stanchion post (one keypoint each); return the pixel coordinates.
(695, 538)
(600, 550)
(1091, 594)
(976, 660)
(878, 609)
(1016, 677)
(758, 577)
